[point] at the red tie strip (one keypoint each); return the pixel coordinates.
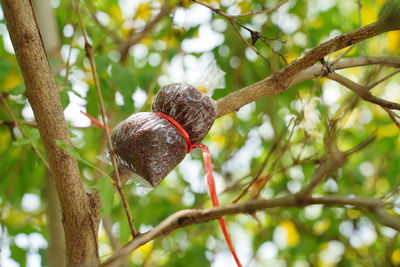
(209, 174)
(210, 179)
(94, 121)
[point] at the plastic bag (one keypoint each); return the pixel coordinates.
(212, 78)
(149, 145)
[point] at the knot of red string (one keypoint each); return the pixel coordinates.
(207, 166)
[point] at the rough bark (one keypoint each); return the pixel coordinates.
(55, 253)
(283, 79)
(80, 210)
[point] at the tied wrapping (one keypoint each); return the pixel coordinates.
(208, 171)
(210, 179)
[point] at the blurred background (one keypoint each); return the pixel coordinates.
(142, 45)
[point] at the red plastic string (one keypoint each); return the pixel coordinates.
(210, 179)
(207, 166)
(94, 121)
(179, 128)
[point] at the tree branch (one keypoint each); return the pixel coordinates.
(80, 210)
(90, 55)
(184, 218)
(266, 11)
(328, 166)
(282, 80)
(318, 71)
(363, 91)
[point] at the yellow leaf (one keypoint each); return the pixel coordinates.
(396, 257)
(387, 131)
(382, 185)
(317, 23)
(293, 236)
(16, 217)
(368, 14)
(321, 226)
(170, 40)
(353, 214)
(220, 140)
(143, 11)
(322, 263)
(174, 198)
(13, 79)
(290, 56)
(146, 249)
(202, 89)
(116, 14)
(245, 6)
(187, 3)
(394, 41)
(5, 140)
(146, 41)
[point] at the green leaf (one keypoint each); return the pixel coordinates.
(18, 90)
(21, 142)
(64, 97)
(33, 137)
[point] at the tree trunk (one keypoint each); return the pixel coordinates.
(79, 209)
(55, 254)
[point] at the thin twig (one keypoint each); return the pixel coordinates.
(363, 91)
(331, 163)
(136, 37)
(247, 43)
(361, 145)
(67, 63)
(90, 54)
(328, 166)
(16, 123)
(362, 46)
(266, 11)
(260, 170)
(343, 54)
(393, 116)
(372, 85)
(255, 35)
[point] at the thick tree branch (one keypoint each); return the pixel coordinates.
(80, 210)
(184, 218)
(282, 80)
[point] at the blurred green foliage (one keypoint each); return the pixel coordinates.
(295, 121)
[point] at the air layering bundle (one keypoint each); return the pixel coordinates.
(149, 145)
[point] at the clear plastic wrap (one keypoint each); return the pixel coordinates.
(212, 78)
(149, 146)
(193, 110)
